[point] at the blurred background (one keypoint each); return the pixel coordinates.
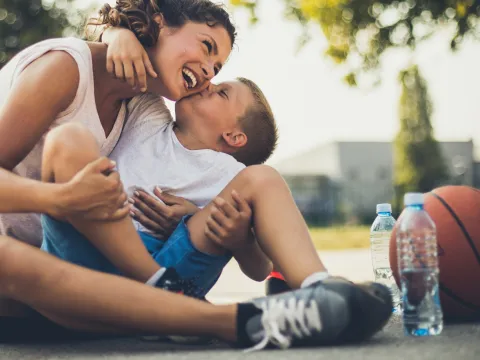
(373, 98)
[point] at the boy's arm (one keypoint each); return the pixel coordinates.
(252, 260)
(126, 57)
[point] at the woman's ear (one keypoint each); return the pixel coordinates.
(235, 138)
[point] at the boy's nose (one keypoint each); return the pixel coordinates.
(208, 89)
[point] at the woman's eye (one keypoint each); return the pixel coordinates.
(208, 45)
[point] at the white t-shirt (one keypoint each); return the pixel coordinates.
(149, 154)
(27, 227)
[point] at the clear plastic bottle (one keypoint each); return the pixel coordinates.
(380, 234)
(418, 267)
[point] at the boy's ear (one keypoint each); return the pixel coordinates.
(235, 138)
(159, 19)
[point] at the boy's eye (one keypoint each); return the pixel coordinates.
(223, 93)
(209, 45)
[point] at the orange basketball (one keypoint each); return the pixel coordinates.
(456, 213)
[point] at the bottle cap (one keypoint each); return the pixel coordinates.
(413, 199)
(384, 208)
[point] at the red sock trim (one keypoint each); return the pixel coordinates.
(276, 275)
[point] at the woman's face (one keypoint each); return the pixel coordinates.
(187, 58)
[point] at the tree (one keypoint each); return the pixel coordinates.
(359, 31)
(25, 22)
(418, 162)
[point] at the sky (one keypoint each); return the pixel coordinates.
(312, 104)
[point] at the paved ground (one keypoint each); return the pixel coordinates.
(456, 342)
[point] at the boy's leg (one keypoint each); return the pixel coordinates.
(275, 283)
(68, 148)
(279, 226)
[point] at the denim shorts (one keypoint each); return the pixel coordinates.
(64, 241)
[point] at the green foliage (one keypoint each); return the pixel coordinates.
(25, 22)
(359, 31)
(418, 161)
(341, 237)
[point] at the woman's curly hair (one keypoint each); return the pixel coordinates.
(137, 15)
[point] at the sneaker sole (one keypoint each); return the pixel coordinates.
(371, 307)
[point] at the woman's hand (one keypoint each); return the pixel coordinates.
(230, 225)
(127, 59)
(95, 193)
(161, 217)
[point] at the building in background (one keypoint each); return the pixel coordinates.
(476, 176)
(343, 181)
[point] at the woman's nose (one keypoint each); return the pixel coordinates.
(208, 70)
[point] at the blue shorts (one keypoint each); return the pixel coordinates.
(64, 241)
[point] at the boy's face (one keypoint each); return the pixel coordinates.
(215, 109)
(187, 58)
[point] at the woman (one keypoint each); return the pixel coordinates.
(187, 42)
(69, 297)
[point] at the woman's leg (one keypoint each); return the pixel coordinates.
(330, 312)
(68, 148)
(82, 299)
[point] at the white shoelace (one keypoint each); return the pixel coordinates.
(277, 314)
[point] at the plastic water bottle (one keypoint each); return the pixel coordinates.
(418, 267)
(380, 234)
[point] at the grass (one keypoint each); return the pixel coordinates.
(341, 238)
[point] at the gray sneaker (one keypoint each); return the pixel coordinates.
(330, 312)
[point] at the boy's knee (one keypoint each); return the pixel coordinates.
(68, 137)
(261, 176)
(69, 143)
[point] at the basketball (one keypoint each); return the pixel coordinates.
(456, 213)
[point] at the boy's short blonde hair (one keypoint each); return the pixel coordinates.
(258, 123)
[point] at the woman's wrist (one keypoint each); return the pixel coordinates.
(246, 248)
(51, 199)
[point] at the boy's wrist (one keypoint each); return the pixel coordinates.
(109, 34)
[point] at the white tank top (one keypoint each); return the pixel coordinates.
(26, 227)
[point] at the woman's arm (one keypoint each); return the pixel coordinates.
(252, 260)
(23, 195)
(230, 227)
(38, 95)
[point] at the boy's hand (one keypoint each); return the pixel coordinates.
(229, 225)
(127, 59)
(161, 217)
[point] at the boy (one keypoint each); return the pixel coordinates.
(221, 118)
(155, 151)
(232, 118)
